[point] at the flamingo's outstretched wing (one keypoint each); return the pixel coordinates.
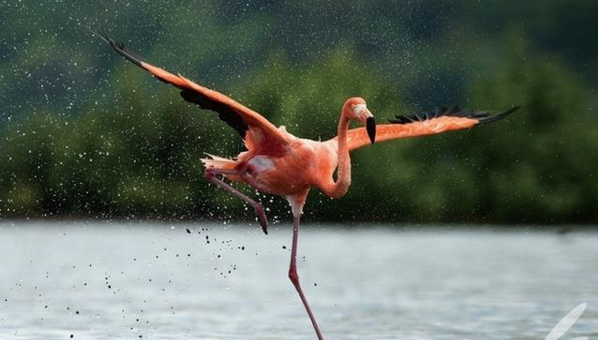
(441, 120)
(238, 116)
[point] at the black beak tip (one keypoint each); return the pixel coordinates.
(370, 126)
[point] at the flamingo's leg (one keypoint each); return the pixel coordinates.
(211, 174)
(295, 277)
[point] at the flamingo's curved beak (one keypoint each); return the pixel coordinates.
(370, 126)
(367, 119)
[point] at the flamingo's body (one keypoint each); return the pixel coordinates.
(279, 163)
(274, 170)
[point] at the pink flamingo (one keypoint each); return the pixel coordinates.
(279, 163)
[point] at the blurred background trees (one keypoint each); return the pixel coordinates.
(85, 134)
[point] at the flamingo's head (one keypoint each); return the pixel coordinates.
(356, 109)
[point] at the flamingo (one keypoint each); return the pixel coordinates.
(279, 163)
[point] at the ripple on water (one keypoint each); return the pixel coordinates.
(205, 282)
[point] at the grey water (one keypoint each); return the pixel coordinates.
(161, 281)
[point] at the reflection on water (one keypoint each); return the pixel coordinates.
(108, 281)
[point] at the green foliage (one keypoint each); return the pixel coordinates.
(84, 138)
(544, 169)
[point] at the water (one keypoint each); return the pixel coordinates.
(113, 281)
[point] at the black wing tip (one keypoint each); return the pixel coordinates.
(504, 114)
(454, 111)
(102, 34)
(118, 47)
(225, 113)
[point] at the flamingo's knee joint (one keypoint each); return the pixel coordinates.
(293, 276)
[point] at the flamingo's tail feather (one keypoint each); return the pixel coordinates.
(218, 162)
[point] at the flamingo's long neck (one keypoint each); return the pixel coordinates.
(343, 172)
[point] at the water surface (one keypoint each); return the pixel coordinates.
(159, 281)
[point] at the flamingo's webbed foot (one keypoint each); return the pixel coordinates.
(261, 216)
